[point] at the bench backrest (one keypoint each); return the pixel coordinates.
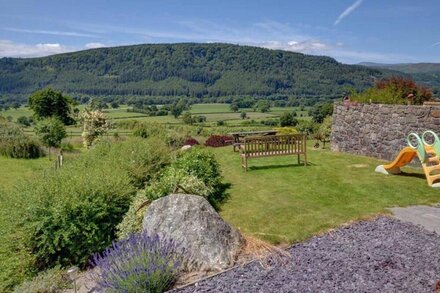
(274, 144)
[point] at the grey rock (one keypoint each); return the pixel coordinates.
(211, 244)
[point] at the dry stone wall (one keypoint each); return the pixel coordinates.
(379, 130)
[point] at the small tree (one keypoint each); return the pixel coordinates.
(324, 131)
(234, 107)
(262, 106)
(95, 124)
(243, 114)
(51, 132)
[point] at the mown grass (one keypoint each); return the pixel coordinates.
(282, 202)
(14, 170)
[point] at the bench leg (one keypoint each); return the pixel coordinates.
(299, 161)
(305, 159)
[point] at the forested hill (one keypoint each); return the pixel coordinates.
(184, 69)
(424, 73)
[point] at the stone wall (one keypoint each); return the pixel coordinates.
(379, 130)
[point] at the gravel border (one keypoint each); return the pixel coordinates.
(382, 255)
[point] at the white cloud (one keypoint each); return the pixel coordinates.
(48, 32)
(348, 11)
(435, 44)
(307, 46)
(12, 49)
(94, 45)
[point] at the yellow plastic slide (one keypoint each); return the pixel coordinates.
(405, 156)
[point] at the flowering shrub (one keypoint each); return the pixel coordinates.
(191, 141)
(139, 263)
(218, 140)
(95, 125)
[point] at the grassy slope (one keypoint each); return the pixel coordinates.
(13, 170)
(281, 202)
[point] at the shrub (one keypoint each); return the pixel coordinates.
(75, 211)
(171, 181)
(191, 141)
(15, 144)
(195, 172)
(51, 281)
(394, 90)
(270, 122)
(95, 125)
(203, 165)
(140, 263)
(221, 123)
(218, 140)
(25, 121)
(286, 130)
(288, 119)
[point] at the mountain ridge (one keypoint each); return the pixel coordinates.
(185, 69)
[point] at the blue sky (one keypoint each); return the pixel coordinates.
(351, 31)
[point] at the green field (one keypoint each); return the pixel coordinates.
(212, 112)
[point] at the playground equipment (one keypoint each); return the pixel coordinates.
(428, 154)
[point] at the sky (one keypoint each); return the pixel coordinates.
(351, 31)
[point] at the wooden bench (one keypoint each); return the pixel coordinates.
(273, 145)
(238, 136)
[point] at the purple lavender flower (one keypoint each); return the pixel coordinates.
(139, 263)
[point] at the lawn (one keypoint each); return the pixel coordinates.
(284, 203)
(14, 170)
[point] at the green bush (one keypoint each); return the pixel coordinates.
(15, 144)
(74, 211)
(202, 164)
(173, 180)
(51, 281)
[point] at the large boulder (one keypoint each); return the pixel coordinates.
(210, 242)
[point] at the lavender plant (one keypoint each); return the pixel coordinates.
(139, 263)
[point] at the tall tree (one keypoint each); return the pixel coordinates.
(51, 103)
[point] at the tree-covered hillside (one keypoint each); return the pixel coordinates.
(195, 70)
(424, 73)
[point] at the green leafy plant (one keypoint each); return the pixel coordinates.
(15, 144)
(50, 281)
(48, 103)
(51, 132)
(172, 180)
(75, 210)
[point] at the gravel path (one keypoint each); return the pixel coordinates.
(384, 255)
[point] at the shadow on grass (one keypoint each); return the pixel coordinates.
(222, 195)
(415, 175)
(268, 167)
